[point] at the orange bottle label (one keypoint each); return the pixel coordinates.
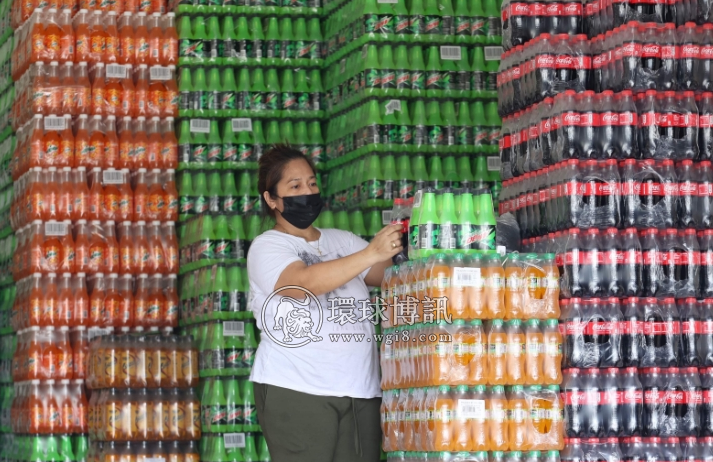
(96, 257)
(125, 259)
(82, 45)
(84, 97)
(111, 202)
(140, 205)
(96, 308)
(127, 47)
(52, 43)
(97, 44)
(35, 312)
(113, 420)
(125, 152)
(140, 310)
(145, 5)
(140, 154)
(66, 152)
(96, 149)
(125, 204)
(113, 98)
(110, 45)
(98, 98)
(79, 364)
(111, 310)
(142, 48)
(156, 204)
(171, 100)
(51, 255)
(51, 150)
(169, 153)
(111, 153)
(154, 312)
(38, 44)
(153, 152)
(69, 98)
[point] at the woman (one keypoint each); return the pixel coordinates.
(317, 396)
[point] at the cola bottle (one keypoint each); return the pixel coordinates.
(592, 381)
(662, 332)
(609, 339)
(648, 132)
(605, 140)
(547, 136)
(689, 57)
(569, 330)
(705, 56)
(691, 413)
(611, 263)
(690, 332)
(705, 123)
(608, 405)
(572, 199)
(630, 191)
(591, 337)
(631, 403)
(688, 262)
(687, 129)
(625, 144)
(574, 277)
(705, 340)
(567, 119)
(657, 197)
(632, 449)
(632, 335)
(591, 202)
(630, 57)
(576, 421)
(651, 270)
(707, 405)
(705, 240)
(597, 76)
(667, 72)
(631, 264)
(515, 24)
(590, 261)
(654, 392)
(687, 193)
(505, 150)
(587, 128)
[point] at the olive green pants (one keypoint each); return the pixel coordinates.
(300, 427)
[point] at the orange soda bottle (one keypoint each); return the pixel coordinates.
(142, 251)
(81, 246)
(48, 369)
(67, 263)
(51, 187)
(96, 196)
(126, 53)
(154, 39)
(97, 38)
(458, 300)
(35, 408)
(552, 357)
(171, 96)
(38, 41)
(66, 144)
(65, 356)
(476, 290)
(82, 39)
(69, 89)
(141, 90)
(478, 366)
(112, 247)
(67, 40)
(112, 179)
(127, 93)
(141, 40)
(35, 195)
(154, 144)
(111, 44)
(80, 209)
(494, 282)
(497, 407)
(479, 422)
(96, 302)
(169, 316)
(169, 41)
(126, 257)
(99, 90)
(514, 287)
(171, 196)
(170, 246)
(115, 74)
(111, 144)
(156, 302)
(156, 202)
(97, 248)
(82, 148)
(141, 199)
(497, 353)
(534, 290)
(519, 419)
(126, 144)
(534, 349)
(552, 287)
(35, 302)
(157, 263)
(112, 302)
(141, 301)
(441, 425)
(462, 420)
(140, 144)
(52, 35)
(50, 313)
(463, 340)
(515, 359)
(81, 300)
(51, 144)
(38, 89)
(65, 300)
(53, 90)
(84, 89)
(126, 198)
(127, 300)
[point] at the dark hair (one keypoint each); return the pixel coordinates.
(270, 168)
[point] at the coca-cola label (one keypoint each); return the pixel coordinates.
(574, 327)
(519, 9)
(564, 62)
(554, 9)
(707, 396)
(572, 9)
(632, 396)
(631, 327)
(662, 328)
(688, 189)
(630, 50)
(631, 256)
(601, 189)
(610, 397)
(690, 51)
(650, 50)
(650, 189)
(653, 396)
(627, 119)
(610, 118)
(690, 327)
(705, 121)
(669, 52)
(601, 328)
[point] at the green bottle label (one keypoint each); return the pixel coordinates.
(437, 184)
(454, 184)
(372, 78)
(436, 136)
(225, 48)
(185, 205)
(248, 361)
(372, 134)
(184, 152)
(433, 80)
(315, 101)
(494, 136)
(230, 152)
(184, 102)
(229, 204)
(272, 101)
(486, 234)
(389, 190)
(201, 204)
(401, 24)
(246, 204)
(204, 250)
(480, 136)
(447, 25)
(199, 153)
(220, 302)
(477, 26)
(374, 189)
(432, 25)
(419, 135)
(217, 362)
(414, 241)
(200, 100)
(196, 49)
(287, 50)
(214, 152)
(227, 100)
(449, 133)
(491, 82)
(370, 23)
(429, 235)
(302, 100)
(256, 49)
(404, 134)
(447, 237)
(185, 48)
(218, 415)
(418, 80)
(387, 78)
(316, 153)
(416, 24)
(289, 102)
(257, 100)
(494, 28)
(237, 299)
(302, 49)
(214, 204)
(462, 25)
(403, 79)
(447, 81)
(385, 24)
(244, 48)
(464, 135)
(462, 81)
(315, 50)
(245, 152)
(273, 48)
(223, 249)
(243, 100)
(234, 360)
(406, 188)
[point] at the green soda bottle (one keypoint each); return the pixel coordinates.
(420, 174)
(244, 202)
(243, 42)
(250, 453)
(213, 38)
(462, 75)
(478, 23)
(404, 135)
(373, 223)
(262, 453)
(462, 20)
(185, 90)
(286, 132)
(219, 302)
(400, 22)
(186, 197)
(273, 133)
(432, 19)
(464, 130)
(214, 144)
(388, 168)
(249, 415)
(387, 74)
(373, 183)
(237, 232)
(233, 401)
(205, 251)
(300, 137)
(464, 172)
(259, 92)
(52, 450)
(214, 192)
(186, 41)
(416, 18)
(201, 42)
(418, 71)
(486, 219)
(357, 224)
(480, 133)
(435, 179)
(302, 44)
(447, 223)
(244, 91)
(229, 202)
(402, 71)
(287, 94)
(65, 449)
(200, 192)
(230, 144)
(405, 179)
(492, 123)
(228, 42)
(373, 123)
(327, 219)
(445, 7)
(341, 220)
(468, 227)
(184, 144)
(258, 140)
(480, 178)
(199, 148)
(434, 126)
(389, 128)
(219, 451)
(200, 91)
(258, 38)
(245, 142)
(315, 90)
(434, 72)
(229, 91)
(428, 224)
(216, 399)
(370, 15)
(494, 30)
(449, 123)
(371, 67)
(273, 41)
(287, 48)
(420, 132)
(272, 94)
(223, 247)
(315, 149)
(301, 91)
(478, 79)
(451, 179)
(314, 38)
(495, 193)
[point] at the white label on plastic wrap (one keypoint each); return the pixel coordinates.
(242, 125)
(56, 228)
(387, 1)
(113, 177)
(494, 164)
(466, 277)
(116, 71)
(93, 332)
(159, 73)
(234, 440)
(393, 105)
(200, 126)
(501, 250)
(450, 53)
(364, 52)
(386, 217)
(470, 409)
(233, 328)
(493, 53)
(155, 459)
(55, 123)
(417, 198)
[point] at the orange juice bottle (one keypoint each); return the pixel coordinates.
(440, 276)
(81, 246)
(154, 39)
(441, 354)
(52, 35)
(141, 39)
(66, 144)
(514, 287)
(84, 89)
(534, 352)
(552, 287)
(556, 417)
(497, 408)
(518, 419)
(458, 305)
(515, 359)
(478, 366)
(497, 353)
(111, 41)
(462, 345)
(80, 209)
(494, 281)
(82, 40)
(169, 146)
(66, 40)
(96, 196)
(82, 147)
(169, 41)
(153, 145)
(479, 423)
(440, 427)
(97, 38)
(534, 292)
(552, 357)
(99, 90)
(476, 289)
(126, 52)
(462, 420)
(540, 412)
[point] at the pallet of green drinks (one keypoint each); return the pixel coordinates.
(226, 348)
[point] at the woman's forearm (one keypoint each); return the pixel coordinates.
(324, 277)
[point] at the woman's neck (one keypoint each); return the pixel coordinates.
(308, 234)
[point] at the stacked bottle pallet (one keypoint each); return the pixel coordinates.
(615, 145)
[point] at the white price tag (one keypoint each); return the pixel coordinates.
(386, 217)
(242, 125)
(450, 53)
(93, 332)
(234, 440)
(470, 409)
(493, 53)
(113, 177)
(159, 73)
(56, 228)
(233, 328)
(116, 71)
(55, 123)
(494, 164)
(393, 105)
(467, 277)
(155, 459)
(200, 126)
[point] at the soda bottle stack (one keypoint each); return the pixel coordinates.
(143, 401)
(483, 376)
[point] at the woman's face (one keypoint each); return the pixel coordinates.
(298, 179)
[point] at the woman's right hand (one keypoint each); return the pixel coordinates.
(386, 243)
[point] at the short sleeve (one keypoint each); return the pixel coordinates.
(267, 259)
(357, 245)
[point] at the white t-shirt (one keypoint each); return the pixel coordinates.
(326, 367)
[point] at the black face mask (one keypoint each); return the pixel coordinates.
(301, 211)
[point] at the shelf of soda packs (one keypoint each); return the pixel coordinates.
(240, 446)
(230, 396)
(215, 293)
(196, 8)
(227, 348)
(28, 448)
(289, 63)
(251, 114)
